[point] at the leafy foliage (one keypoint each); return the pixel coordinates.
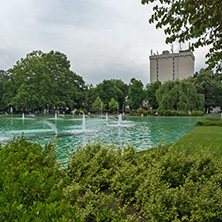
(113, 104)
(41, 80)
(98, 104)
(151, 94)
(179, 95)
(108, 183)
(113, 88)
(210, 88)
(205, 122)
(30, 183)
(136, 93)
(199, 21)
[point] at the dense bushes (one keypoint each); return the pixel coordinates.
(30, 183)
(167, 112)
(108, 183)
(210, 120)
(206, 122)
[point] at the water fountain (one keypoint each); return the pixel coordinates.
(23, 116)
(119, 119)
(73, 112)
(107, 118)
(56, 115)
(83, 122)
(142, 133)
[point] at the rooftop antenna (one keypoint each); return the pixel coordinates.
(157, 52)
(151, 52)
(180, 46)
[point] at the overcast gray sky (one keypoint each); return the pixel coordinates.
(103, 39)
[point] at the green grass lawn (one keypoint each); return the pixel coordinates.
(202, 137)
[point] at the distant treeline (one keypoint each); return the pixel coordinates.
(44, 81)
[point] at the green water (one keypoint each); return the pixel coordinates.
(143, 133)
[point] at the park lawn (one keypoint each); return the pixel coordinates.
(202, 137)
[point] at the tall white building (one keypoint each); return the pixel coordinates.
(171, 66)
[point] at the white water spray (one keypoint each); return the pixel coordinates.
(52, 126)
(83, 122)
(107, 118)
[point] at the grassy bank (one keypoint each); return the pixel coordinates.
(203, 137)
(208, 137)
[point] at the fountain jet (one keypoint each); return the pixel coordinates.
(83, 122)
(107, 118)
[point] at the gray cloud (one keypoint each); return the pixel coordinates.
(102, 39)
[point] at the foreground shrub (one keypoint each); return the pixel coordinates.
(163, 185)
(108, 183)
(181, 187)
(30, 183)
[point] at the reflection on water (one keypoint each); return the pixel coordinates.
(142, 133)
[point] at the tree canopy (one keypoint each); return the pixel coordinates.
(150, 94)
(179, 95)
(98, 104)
(188, 20)
(113, 104)
(113, 88)
(207, 86)
(43, 80)
(136, 93)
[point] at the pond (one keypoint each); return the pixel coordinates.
(143, 133)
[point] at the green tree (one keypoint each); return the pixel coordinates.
(90, 96)
(3, 78)
(113, 104)
(151, 94)
(199, 21)
(136, 93)
(44, 79)
(113, 88)
(98, 104)
(208, 87)
(179, 95)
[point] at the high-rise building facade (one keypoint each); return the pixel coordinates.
(171, 66)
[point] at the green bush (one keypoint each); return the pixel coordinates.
(179, 113)
(131, 113)
(163, 185)
(206, 122)
(180, 187)
(145, 113)
(108, 183)
(142, 111)
(30, 183)
(197, 113)
(213, 117)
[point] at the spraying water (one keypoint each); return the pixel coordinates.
(107, 118)
(55, 115)
(23, 116)
(83, 122)
(119, 119)
(52, 126)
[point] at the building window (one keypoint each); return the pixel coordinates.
(173, 69)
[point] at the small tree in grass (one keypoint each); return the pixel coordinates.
(113, 104)
(98, 104)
